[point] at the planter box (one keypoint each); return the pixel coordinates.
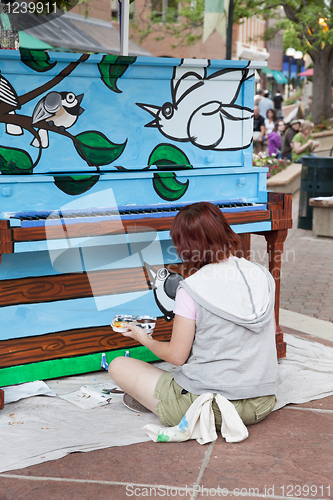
(322, 216)
(287, 181)
(326, 142)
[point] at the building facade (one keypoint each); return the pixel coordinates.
(247, 39)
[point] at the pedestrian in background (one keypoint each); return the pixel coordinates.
(303, 143)
(278, 100)
(288, 137)
(275, 139)
(265, 104)
(270, 121)
(257, 98)
(258, 130)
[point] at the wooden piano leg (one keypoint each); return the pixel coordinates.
(245, 250)
(275, 241)
(2, 399)
(6, 238)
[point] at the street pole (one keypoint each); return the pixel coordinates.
(299, 57)
(229, 29)
(289, 78)
(290, 52)
(124, 27)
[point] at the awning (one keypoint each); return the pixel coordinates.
(277, 75)
(29, 42)
(268, 72)
(76, 33)
(307, 72)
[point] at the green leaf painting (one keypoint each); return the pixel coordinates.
(113, 67)
(169, 157)
(96, 149)
(15, 161)
(75, 184)
(168, 187)
(37, 60)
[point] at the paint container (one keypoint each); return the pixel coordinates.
(119, 323)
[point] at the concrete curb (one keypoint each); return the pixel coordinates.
(286, 181)
(306, 324)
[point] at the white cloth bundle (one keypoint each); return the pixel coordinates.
(199, 423)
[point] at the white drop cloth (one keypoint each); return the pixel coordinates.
(42, 428)
(199, 423)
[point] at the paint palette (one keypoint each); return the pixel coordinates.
(120, 323)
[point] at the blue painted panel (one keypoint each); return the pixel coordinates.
(253, 227)
(38, 319)
(43, 263)
(18, 193)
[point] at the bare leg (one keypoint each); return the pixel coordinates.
(137, 378)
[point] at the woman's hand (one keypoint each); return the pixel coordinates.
(135, 332)
(177, 350)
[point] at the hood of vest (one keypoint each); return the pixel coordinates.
(236, 290)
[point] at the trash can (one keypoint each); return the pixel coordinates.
(316, 180)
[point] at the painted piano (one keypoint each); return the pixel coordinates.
(97, 155)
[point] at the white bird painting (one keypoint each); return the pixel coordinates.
(9, 96)
(202, 109)
(164, 284)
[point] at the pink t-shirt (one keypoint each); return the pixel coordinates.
(185, 305)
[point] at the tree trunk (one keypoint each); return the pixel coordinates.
(322, 85)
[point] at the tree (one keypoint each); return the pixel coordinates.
(181, 20)
(308, 27)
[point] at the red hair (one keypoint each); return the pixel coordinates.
(202, 235)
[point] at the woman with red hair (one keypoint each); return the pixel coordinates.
(223, 336)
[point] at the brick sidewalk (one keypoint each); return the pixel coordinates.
(307, 270)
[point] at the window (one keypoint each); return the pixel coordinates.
(165, 11)
(115, 10)
(276, 42)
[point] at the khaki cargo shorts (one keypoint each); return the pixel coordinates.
(173, 405)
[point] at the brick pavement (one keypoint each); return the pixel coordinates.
(307, 270)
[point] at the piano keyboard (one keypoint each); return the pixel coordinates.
(127, 212)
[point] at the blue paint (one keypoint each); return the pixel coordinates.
(183, 424)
